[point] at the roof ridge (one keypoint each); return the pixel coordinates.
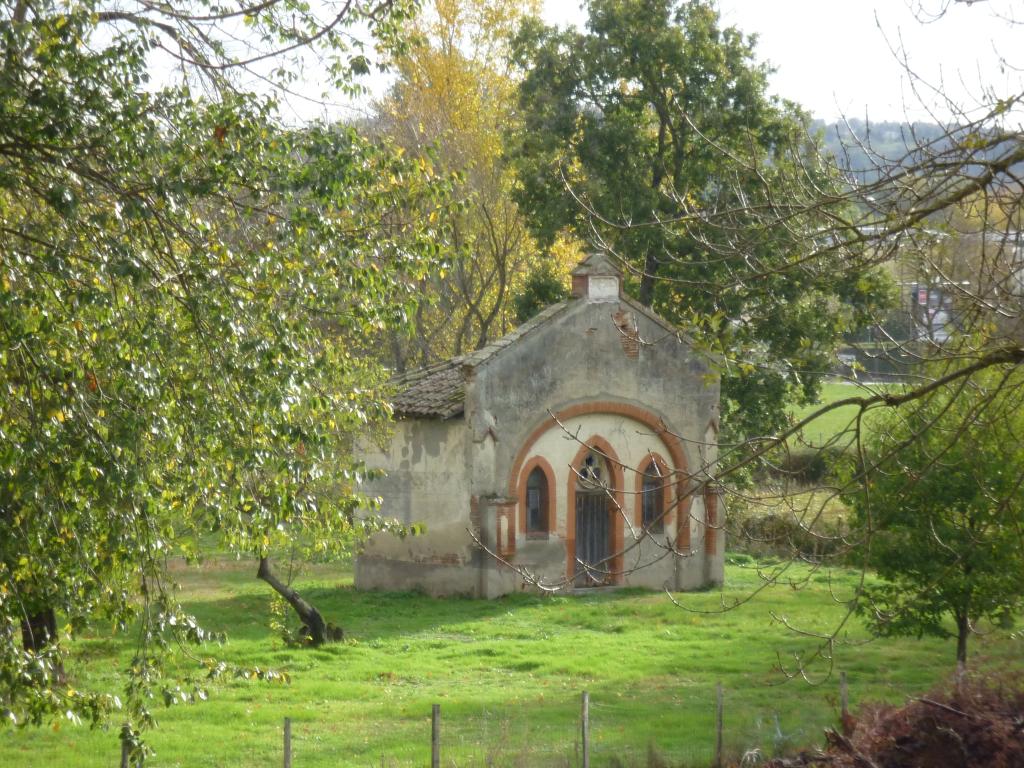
(485, 353)
(438, 390)
(425, 370)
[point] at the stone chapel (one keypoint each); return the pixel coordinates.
(573, 452)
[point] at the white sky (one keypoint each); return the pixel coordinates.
(835, 57)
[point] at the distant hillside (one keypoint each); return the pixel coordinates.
(859, 147)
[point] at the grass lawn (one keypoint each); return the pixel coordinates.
(837, 421)
(811, 500)
(800, 499)
(508, 674)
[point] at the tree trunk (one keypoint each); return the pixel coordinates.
(38, 631)
(647, 280)
(657, 176)
(963, 629)
(310, 616)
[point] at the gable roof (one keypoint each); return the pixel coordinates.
(598, 263)
(438, 391)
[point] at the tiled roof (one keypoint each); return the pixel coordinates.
(434, 392)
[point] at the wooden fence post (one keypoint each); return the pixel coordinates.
(585, 729)
(435, 736)
(287, 742)
(125, 753)
(719, 717)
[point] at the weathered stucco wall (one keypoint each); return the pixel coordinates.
(427, 482)
(582, 355)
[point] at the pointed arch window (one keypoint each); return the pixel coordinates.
(593, 529)
(537, 496)
(652, 498)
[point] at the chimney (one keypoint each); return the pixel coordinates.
(597, 278)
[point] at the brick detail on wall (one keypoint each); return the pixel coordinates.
(549, 475)
(684, 491)
(506, 524)
(668, 491)
(629, 336)
(645, 417)
(475, 521)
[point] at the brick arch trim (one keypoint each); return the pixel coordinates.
(668, 491)
(641, 415)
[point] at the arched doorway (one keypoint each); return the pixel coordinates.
(593, 522)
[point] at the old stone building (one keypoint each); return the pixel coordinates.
(573, 451)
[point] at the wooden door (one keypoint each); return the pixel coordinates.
(593, 532)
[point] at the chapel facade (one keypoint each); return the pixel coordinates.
(575, 452)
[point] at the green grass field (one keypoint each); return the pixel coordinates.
(508, 674)
(837, 421)
(799, 498)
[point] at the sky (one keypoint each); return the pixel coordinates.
(837, 58)
(840, 58)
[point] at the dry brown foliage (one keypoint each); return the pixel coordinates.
(976, 722)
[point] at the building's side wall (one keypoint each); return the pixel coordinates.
(426, 482)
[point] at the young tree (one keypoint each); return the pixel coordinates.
(941, 505)
(180, 277)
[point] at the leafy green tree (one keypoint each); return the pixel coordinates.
(942, 509)
(543, 288)
(180, 281)
(652, 132)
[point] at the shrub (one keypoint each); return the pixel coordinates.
(783, 535)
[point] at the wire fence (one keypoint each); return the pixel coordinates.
(577, 732)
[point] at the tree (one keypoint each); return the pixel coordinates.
(455, 97)
(948, 203)
(180, 281)
(942, 501)
(769, 250)
(543, 288)
(636, 133)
